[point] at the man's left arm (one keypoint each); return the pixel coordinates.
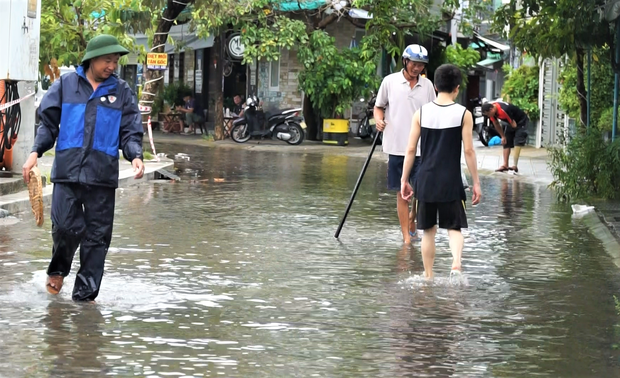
(131, 132)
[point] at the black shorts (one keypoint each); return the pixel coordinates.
(451, 215)
(395, 171)
(516, 137)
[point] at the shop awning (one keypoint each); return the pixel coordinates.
(182, 35)
(490, 61)
(489, 42)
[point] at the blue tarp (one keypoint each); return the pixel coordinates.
(292, 6)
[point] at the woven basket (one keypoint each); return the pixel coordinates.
(35, 190)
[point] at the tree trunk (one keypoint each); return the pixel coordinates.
(312, 122)
(218, 88)
(581, 88)
(153, 78)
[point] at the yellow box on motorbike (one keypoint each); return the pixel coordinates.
(336, 131)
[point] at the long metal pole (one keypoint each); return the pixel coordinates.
(357, 184)
(589, 71)
(615, 122)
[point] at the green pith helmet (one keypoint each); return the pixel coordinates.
(103, 44)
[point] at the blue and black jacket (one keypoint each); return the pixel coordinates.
(89, 128)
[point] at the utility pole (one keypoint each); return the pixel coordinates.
(19, 67)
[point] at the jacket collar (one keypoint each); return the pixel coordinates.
(109, 82)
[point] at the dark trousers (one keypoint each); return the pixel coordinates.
(81, 215)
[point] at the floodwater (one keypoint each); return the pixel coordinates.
(234, 272)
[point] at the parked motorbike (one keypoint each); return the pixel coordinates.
(367, 127)
(282, 124)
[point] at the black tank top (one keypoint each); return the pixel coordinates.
(439, 176)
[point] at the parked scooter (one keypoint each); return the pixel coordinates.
(283, 124)
(367, 127)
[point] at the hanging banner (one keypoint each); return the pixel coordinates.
(157, 61)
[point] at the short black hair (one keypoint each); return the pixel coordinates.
(486, 107)
(447, 78)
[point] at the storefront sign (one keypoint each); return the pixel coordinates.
(235, 47)
(156, 61)
(198, 81)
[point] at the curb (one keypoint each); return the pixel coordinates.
(20, 202)
(603, 232)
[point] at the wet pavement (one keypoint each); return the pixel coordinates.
(234, 272)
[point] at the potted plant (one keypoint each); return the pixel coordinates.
(332, 80)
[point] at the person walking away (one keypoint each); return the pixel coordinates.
(441, 127)
(400, 95)
(98, 113)
(515, 135)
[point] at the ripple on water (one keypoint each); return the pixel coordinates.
(243, 278)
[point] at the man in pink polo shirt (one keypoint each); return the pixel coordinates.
(401, 94)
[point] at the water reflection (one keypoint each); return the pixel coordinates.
(234, 272)
(74, 338)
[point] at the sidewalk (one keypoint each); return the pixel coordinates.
(14, 196)
(532, 163)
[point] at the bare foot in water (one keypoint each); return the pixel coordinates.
(54, 284)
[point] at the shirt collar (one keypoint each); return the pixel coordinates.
(405, 81)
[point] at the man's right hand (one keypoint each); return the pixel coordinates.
(31, 162)
(476, 195)
(381, 125)
(503, 141)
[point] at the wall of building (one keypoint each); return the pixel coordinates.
(287, 93)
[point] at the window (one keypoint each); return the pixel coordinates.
(359, 34)
(274, 75)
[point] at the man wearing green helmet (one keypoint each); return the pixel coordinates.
(99, 114)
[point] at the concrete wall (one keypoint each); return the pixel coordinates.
(25, 138)
(287, 94)
(188, 67)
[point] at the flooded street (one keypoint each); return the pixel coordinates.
(234, 272)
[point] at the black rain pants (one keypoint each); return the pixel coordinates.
(82, 215)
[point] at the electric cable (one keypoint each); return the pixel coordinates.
(10, 118)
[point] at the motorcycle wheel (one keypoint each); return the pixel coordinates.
(362, 130)
(484, 136)
(297, 134)
(240, 133)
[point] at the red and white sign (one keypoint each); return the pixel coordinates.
(151, 138)
(14, 102)
(144, 109)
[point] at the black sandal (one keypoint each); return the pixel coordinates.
(503, 168)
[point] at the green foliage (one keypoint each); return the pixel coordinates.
(465, 59)
(605, 121)
(567, 96)
(587, 167)
(521, 89)
(552, 28)
(602, 87)
(334, 78)
(173, 93)
(67, 26)
(472, 15)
